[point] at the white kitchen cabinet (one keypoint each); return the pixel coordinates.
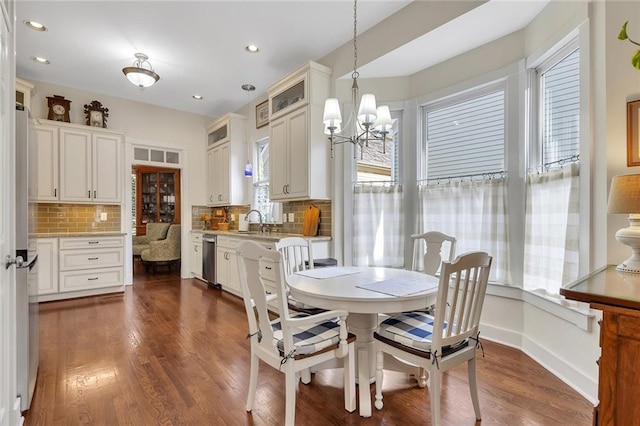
(298, 147)
(196, 255)
(48, 162)
(47, 249)
(227, 154)
(227, 264)
(90, 166)
(72, 267)
(91, 263)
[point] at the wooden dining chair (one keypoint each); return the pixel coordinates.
(450, 337)
(289, 343)
(297, 255)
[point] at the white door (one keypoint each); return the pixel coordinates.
(9, 411)
(298, 151)
(278, 159)
(47, 143)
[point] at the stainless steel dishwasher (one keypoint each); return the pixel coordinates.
(209, 260)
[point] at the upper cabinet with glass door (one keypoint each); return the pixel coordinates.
(306, 85)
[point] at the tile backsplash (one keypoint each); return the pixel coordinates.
(296, 207)
(72, 218)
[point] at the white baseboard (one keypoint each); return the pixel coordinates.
(566, 372)
(563, 370)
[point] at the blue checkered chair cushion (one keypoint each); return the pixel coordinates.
(310, 340)
(411, 329)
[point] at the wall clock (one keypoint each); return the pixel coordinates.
(59, 108)
(96, 114)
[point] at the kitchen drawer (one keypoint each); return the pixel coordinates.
(196, 238)
(88, 259)
(83, 280)
(85, 242)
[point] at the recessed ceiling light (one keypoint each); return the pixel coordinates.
(197, 97)
(252, 48)
(37, 26)
(40, 60)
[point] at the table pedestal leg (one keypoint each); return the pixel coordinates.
(363, 326)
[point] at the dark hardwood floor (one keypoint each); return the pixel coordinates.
(174, 352)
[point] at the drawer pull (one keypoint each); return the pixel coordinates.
(94, 242)
(93, 258)
(598, 361)
(268, 268)
(600, 322)
(92, 279)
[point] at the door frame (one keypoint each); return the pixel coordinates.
(127, 205)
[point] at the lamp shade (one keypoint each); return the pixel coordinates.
(383, 121)
(332, 116)
(140, 77)
(624, 196)
(367, 110)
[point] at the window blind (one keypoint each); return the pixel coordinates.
(560, 109)
(466, 138)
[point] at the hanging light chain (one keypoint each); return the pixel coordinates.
(355, 74)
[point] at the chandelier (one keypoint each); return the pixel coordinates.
(139, 76)
(368, 123)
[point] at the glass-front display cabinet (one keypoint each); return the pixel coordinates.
(157, 196)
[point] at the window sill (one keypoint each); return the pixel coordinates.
(579, 315)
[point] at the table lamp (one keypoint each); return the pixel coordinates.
(624, 197)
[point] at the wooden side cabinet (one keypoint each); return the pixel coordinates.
(619, 374)
(617, 295)
(157, 196)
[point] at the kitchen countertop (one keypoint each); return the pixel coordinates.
(76, 234)
(274, 236)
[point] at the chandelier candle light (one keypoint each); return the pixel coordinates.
(624, 197)
(369, 124)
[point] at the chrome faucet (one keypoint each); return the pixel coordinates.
(251, 211)
(264, 228)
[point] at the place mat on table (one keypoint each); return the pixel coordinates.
(328, 272)
(399, 286)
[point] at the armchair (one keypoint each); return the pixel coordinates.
(163, 252)
(155, 232)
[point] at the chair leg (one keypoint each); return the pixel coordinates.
(305, 376)
(350, 380)
(422, 380)
(379, 377)
(473, 386)
(290, 398)
(253, 381)
(435, 382)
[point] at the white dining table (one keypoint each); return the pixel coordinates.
(341, 288)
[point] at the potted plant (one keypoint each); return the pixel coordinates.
(635, 59)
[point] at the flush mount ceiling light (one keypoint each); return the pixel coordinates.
(366, 123)
(40, 60)
(36, 26)
(139, 76)
(252, 48)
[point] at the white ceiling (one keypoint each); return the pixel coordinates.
(198, 47)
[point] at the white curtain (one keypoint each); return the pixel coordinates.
(552, 232)
(378, 225)
(475, 212)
